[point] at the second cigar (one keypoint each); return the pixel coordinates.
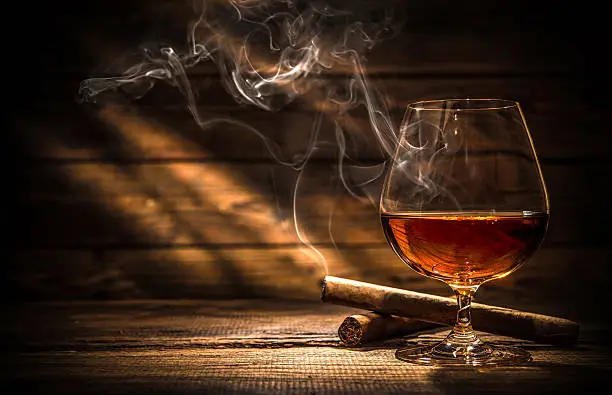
(361, 329)
(442, 310)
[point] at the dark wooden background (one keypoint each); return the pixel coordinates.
(136, 201)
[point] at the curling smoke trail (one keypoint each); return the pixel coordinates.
(268, 53)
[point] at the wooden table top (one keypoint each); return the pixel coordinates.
(255, 347)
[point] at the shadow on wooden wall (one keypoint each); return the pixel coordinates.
(136, 201)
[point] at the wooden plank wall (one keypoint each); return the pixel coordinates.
(137, 201)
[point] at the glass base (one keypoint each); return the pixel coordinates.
(447, 354)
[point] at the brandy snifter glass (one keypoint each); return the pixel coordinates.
(464, 202)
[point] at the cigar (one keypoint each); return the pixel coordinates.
(360, 329)
(443, 310)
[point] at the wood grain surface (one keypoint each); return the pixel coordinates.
(253, 347)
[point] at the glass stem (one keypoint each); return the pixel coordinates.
(463, 334)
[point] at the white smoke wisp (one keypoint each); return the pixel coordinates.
(270, 52)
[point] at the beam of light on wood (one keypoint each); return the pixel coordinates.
(250, 218)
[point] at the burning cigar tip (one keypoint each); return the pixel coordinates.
(322, 284)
